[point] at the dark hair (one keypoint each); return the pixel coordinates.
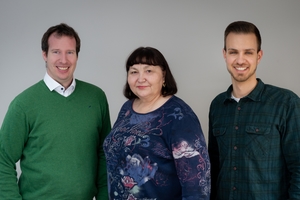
(150, 56)
(243, 27)
(60, 30)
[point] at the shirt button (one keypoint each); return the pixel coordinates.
(236, 128)
(235, 147)
(239, 108)
(234, 168)
(62, 88)
(233, 188)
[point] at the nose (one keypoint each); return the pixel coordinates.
(240, 59)
(141, 78)
(63, 58)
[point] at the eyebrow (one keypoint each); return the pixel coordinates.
(72, 50)
(145, 67)
(232, 49)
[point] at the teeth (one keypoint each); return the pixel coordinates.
(240, 68)
(62, 68)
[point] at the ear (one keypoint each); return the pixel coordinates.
(259, 55)
(44, 56)
(224, 53)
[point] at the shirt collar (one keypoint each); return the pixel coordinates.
(52, 84)
(254, 95)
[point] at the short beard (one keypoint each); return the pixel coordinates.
(242, 78)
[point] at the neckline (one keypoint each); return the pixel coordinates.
(152, 111)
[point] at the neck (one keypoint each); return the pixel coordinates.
(146, 105)
(242, 89)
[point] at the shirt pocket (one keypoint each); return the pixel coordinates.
(257, 141)
(223, 140)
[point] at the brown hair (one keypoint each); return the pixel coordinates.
(243, 27)
(60, 30)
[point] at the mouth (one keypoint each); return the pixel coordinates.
(240, 68)
(141, 87)
(62, 68)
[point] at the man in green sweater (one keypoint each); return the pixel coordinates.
(56, 129)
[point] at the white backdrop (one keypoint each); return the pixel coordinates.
(189, 34)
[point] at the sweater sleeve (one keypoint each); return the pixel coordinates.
(102, 173)
(13, 135)
(191, 158)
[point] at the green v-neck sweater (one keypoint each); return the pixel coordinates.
(59, 143)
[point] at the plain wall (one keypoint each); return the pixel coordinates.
(188, 33)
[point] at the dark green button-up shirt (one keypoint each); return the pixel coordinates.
(254, 145)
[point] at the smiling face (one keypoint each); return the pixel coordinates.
(61, 59)
(242, 57)
(145, 81)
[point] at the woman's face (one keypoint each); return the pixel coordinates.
(145, 81)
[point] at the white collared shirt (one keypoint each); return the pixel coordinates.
(53, 85)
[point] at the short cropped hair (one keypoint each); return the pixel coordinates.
(243, 27)
(60, 30)
(150, 56)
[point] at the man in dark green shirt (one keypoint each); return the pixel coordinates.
(254, 128)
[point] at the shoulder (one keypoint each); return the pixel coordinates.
(220, 98)
(175, 101)
(30, 96)
(88, 89)
(86, 85)
(32, 91)
(275, 93)
(127, 105)
(177, 107)
(35, 88)
(280, 90)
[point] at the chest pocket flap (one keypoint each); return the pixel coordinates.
(257, 130)
(219, 131)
